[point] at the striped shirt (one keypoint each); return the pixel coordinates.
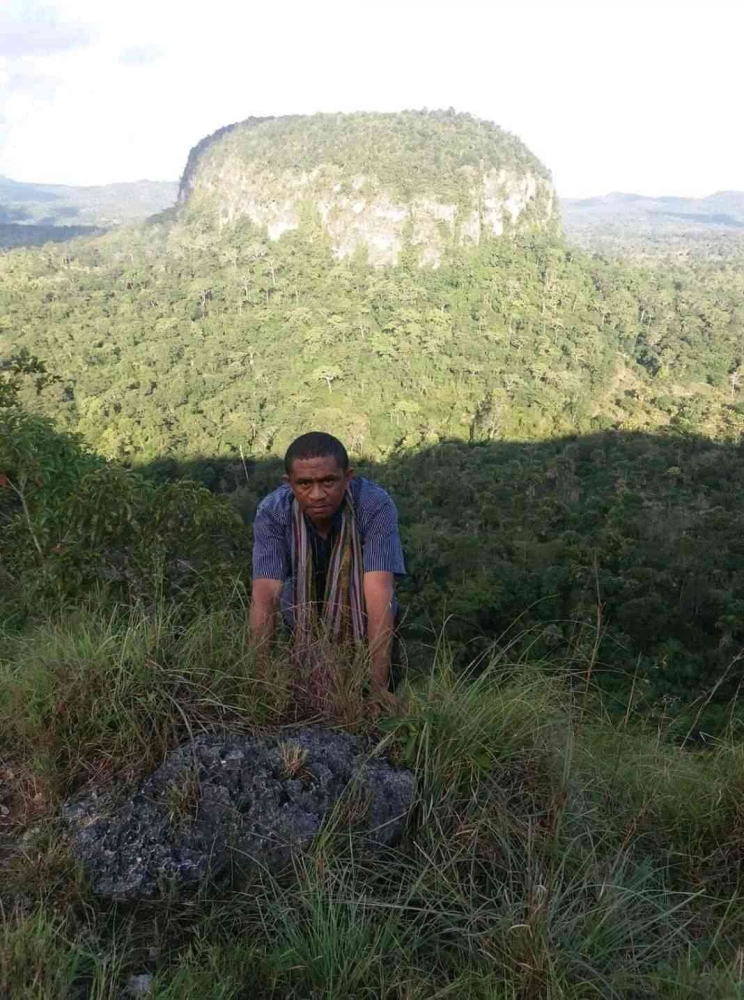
(377, 522)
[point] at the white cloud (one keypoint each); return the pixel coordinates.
(612, 94)
(30, 29)
(140, 55)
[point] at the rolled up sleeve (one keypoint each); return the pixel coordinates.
(382, 546)
(270, 553)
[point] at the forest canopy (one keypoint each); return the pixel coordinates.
(560, 431)
(179, 339)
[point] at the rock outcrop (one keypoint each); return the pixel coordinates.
(372, 181)
(221, 804)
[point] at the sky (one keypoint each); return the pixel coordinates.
(613, 95)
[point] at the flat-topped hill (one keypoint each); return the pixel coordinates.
(375, 181)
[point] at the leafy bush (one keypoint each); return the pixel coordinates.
(70, 523)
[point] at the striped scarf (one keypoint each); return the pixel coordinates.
(343, 613)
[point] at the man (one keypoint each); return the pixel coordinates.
(326, 550)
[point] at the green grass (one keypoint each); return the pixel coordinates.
(553, 853)
(98, 694)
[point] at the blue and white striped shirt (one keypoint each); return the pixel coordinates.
(377, 522)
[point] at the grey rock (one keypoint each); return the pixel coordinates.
(221, 805)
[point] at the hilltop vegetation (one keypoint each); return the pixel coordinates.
(435, 153)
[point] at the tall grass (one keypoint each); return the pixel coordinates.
(552, 853)
(101, 694)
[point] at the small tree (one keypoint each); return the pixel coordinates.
(327, 374)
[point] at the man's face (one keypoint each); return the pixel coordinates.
(318, 485)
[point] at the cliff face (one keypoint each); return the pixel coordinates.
(381, 182)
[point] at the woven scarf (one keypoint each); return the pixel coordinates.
(342, 615)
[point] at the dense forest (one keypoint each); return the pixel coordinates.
(179, 340)
(561, 431)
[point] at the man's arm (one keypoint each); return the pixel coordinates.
(379, 599)
(383, 559)
(264, 606)
(270, 569)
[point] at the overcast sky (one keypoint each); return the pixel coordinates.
(613, 95)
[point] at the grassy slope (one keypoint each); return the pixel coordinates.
(553, 854)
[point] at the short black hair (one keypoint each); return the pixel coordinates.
(316, 444)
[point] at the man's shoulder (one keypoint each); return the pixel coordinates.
(277, 503)
(369, 497)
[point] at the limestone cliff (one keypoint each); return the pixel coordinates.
(378, 181)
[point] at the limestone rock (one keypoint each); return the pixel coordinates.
(221, 804)
(377, 182)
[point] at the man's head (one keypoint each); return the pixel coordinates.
(317, 470)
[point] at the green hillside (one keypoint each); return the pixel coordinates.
(177, 339)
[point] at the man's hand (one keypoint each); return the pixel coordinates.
(384, 702)
(264, 606)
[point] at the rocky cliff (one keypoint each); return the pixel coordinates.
(376, 181)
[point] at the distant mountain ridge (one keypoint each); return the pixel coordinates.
(724, 207)
(621, 220)
(105, 205)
